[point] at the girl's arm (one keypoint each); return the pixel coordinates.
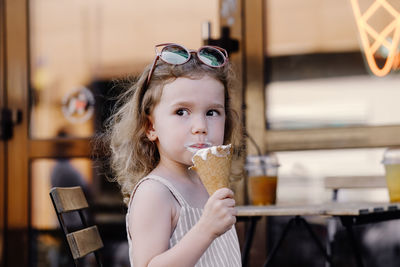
(150, 225)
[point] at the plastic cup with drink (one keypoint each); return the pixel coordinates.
(391, 160)
(262, 173)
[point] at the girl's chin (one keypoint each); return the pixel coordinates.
(188, 160)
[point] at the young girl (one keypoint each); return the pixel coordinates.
(182, 102)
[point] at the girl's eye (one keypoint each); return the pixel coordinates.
(182, 112)
(213, 113)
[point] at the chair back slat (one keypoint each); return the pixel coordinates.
(87, 239)
(68, 199)
(84, 241)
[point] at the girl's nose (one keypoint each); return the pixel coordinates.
(199, 125)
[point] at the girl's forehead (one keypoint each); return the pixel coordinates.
(186, 86)
(203, 90)
(192, 76)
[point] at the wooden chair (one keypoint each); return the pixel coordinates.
(84, 240)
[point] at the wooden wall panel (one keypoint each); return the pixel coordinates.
(2, 143)
(17, 159)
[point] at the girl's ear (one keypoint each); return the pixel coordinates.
(150, 131)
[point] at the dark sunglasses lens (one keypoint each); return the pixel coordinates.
(174, 54)
(211, 56)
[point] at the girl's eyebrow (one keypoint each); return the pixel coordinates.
(182, 103)
(217, 105)
(188, 104)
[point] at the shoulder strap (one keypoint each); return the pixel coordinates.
(174, 191)
(182, 202)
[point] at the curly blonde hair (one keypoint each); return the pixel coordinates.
(133, 155)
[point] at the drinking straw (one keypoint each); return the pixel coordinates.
(263, 163)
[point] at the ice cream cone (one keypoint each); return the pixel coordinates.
(213, 165)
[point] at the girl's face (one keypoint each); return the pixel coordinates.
(189, 116)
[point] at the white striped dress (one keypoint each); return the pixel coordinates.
(224, 250)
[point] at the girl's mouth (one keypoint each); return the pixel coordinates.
(194, 147)
(200, 146)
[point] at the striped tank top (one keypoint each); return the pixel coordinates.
(224, 250)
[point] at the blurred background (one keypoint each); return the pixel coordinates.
(305, 89)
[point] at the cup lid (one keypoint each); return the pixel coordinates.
(391, 156)
(268, 160)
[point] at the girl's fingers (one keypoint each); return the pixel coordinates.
(233, 211)
(223, 193)
(229, 202)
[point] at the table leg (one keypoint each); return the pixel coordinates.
(276, 247)
(299, 220)
(347, 222)
(316, 240)
(249, 239)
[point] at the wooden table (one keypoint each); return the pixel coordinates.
(350, 214)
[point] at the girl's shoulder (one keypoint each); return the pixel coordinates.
(159, 188)
(152, 191)
(151, 209)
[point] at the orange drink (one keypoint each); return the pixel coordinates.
(262, 190)
(262, 173)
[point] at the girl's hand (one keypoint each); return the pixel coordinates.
(219, 213)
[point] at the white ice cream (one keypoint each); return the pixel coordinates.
(213, 150)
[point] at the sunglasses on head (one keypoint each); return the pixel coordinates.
(175, 54)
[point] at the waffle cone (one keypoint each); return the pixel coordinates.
(214, 171)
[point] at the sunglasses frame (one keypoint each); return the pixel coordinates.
(223, 52)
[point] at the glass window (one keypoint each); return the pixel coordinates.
(77, 45)
(317, 76)
(334, 102)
